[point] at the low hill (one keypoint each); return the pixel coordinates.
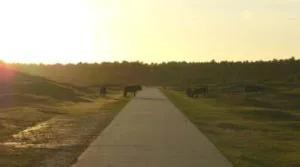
(17, 88)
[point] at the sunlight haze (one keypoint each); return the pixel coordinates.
(64, 31)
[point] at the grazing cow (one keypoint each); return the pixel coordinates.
(103, 91)
(132, 88)
(197, 91)
(189, 92)
(251, 89)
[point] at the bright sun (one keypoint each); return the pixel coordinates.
(52, 31)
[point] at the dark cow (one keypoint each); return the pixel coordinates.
(198, 91)
(132, 88)
(189, 92)
(103, 91)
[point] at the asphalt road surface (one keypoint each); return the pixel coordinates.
(151, 132)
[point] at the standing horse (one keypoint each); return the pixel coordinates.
(197, 91)
(189, 92)
(132, 88)
(103, 91)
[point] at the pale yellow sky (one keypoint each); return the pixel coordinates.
(150, 30)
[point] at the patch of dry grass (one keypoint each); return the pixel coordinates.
(53, 135)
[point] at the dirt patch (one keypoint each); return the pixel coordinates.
(52, 135)
(70, 145)
(41, 133)
(61, 138)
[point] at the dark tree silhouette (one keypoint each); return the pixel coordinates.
(170, 73)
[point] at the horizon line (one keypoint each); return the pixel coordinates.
(145, 62)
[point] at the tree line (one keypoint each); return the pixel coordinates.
(183, 73)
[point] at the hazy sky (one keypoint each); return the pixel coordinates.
(52, 31)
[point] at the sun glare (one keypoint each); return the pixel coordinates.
(51, 31)
(70, 31)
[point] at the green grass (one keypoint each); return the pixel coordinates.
(247, 133)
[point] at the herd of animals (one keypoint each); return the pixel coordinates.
(132, 88)
(193, 93)
(190, 92)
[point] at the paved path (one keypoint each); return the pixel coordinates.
(151, 132)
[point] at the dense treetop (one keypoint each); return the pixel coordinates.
(213, 72)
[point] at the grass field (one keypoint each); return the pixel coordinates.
(45, 123)
(251, 130)
(53, 135)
